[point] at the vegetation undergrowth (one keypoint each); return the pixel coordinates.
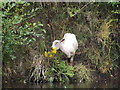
(57, 70)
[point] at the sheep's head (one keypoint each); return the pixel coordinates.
(56, 44)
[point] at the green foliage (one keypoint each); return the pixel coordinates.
(116, 7)
(72, 11)
(17, 29)
(59, 71)
(101, 49)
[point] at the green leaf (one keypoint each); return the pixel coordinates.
(51, 79)
(40, 25)
(34, 24)
(44, 30)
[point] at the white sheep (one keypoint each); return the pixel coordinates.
(68, 45)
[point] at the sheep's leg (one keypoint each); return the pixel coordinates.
(68, 60)
(71, 60)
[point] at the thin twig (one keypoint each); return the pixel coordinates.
(81, 9)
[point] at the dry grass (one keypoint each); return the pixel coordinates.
(38, 69)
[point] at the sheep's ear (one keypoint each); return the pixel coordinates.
(56, 43)
(62, 40)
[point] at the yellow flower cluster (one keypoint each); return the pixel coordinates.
(54, 50)
(50, 54)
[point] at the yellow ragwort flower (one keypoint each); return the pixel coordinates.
(53, 51)
(54, 48)
(50, 55)
(46, 54)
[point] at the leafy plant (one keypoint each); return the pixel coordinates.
(59, 71)
(14, 31)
